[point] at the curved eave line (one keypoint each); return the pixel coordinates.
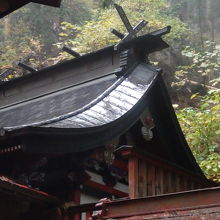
(112, 103)
(111, 108)
(67, 116)
(81, 139)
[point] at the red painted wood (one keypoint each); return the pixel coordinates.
(170, 206)
(121, 164)
(106, 189)
(133, 177)
(88, 215)
(166, 165)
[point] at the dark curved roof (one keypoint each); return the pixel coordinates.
(92, 104)
(82, 112)
(83, 103)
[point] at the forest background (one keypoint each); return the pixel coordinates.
(35, 34)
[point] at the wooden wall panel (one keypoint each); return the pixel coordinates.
(150, 176)
(148, 179)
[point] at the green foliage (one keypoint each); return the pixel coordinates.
(29, 34)
(201, 127)
(45, 22)
(95, 33)
(203, 65)
(11, 52)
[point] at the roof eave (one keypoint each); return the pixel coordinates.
(7, 7)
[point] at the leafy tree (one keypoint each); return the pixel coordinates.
(95, 34)
(201, 126)
(203, 65)
(29, 34)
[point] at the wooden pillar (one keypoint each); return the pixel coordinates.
(142, 178)
(74, 197)
(133, 177)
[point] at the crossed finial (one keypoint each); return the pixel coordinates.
(131, 31)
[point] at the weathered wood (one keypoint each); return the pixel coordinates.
(173, 182)
(151, 180)
(149, 177)
(169, 182)
(178, 183)
(159, 181)
(192, 185)
(133, 177)
(198, 204)
(161, 178)
(142, 178)
(158, 162)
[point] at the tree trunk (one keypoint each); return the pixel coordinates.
(200, 22)
(6, 27)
